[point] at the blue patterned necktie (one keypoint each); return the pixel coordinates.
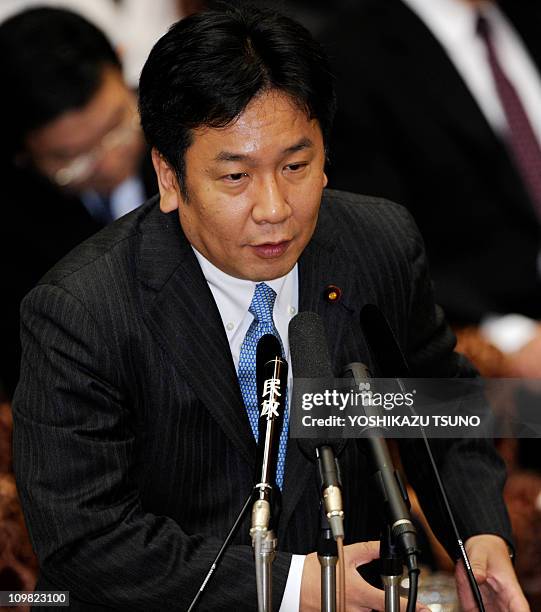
(261, 308)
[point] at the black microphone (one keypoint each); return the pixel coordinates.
(326, 452)
(392, 364)
(310, 359)
(271, 377)
(269, 366)
(387, 478)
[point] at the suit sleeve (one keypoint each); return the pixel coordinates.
(472, 471)
(75, 462)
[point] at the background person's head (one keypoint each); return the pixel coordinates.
(237, 105)
(68, 113)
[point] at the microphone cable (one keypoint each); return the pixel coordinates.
(341, 575)
(221, 552)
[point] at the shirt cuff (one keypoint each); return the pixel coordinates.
(510, 332)
(292, 593)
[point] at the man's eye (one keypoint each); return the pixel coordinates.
(235, 177)
(296, 167)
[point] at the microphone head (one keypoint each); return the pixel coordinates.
(268, 349)
(271, 388)
(308, 347)
(310, 359)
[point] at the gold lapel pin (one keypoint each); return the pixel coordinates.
(333, 293)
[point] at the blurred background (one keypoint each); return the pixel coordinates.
(439, 109)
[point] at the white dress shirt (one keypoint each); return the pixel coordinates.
(453, 23)
(233, 297)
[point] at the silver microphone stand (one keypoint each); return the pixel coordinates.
(264, 544)
(327, 555)
(391, 570)
(272, 414)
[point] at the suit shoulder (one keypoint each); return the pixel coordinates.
(361, 228)
(350, 212)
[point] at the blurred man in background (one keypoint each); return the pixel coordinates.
(444, 97)
(73, 156)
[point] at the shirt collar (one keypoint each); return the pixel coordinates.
(233, 296)
(450, 20)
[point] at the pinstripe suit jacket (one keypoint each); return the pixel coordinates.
(133, 452)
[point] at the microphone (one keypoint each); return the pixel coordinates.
(271, 384)
(269, 367)
(310, 359)
(326, 452)
(392, 363)
(271, 377)
(388, 480)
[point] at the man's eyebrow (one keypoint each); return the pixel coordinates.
(229, 156)
(304, 143)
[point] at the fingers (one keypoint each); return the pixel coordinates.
(519, 604)
(365, 595)
(495, 574)
(465, 595)
(479, 563)
(361, 553)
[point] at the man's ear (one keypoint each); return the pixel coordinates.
(170, 197)
(325, 180)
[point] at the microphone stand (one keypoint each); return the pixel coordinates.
(264, 543)
(274, 376)
(327, 555)
(391, 569)
(393, 493)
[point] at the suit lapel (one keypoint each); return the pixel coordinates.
(181, 314)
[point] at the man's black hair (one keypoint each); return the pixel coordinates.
(209, 66)
(52, 62)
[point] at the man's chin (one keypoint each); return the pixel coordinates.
(270, 271)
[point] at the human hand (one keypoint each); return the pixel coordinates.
(493, 570)
(360, 596)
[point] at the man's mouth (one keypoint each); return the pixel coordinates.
(270, 250)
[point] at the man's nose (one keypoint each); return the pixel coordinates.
(271, 205)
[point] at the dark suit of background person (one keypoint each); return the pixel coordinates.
(409, 129)
(133, 451)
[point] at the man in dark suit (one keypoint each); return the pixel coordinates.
(133, 445)
(72, 156)
(417, 90)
